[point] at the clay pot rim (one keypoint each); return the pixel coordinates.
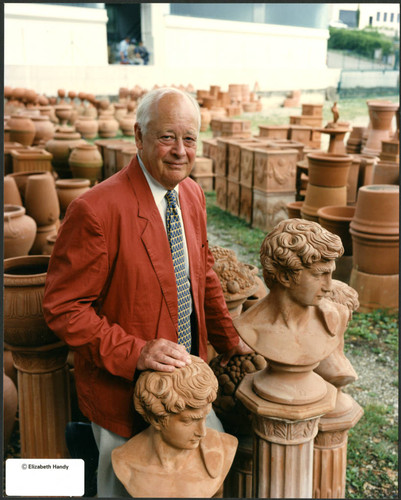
(73, 183)
(382, 105)
(29, 154)
(11, 210)
(330, 157)
(328, 213)
(67, 135)
(374, 236)
(12, 262)
(295, 204)
(40, 118)
(85, 146)
(26, 173)
(387, 188)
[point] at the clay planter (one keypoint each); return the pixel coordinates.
(22, 130)
(21, 179)
(377, 210)
(47, 248)
(69, 189)
(87, 127)
(41, 199)
(60, 147)
(386, 172)
(375, 253)
(35, 160)
(45, 129)
(108, 126)
(10, 400)
(19, 231)
(318, 196)
(8, 161)
(24, 282)
(42, 234)
(327, 169)
(294, 209)
(381, 114)
(336, 219)
(86, 162)
(11, 192)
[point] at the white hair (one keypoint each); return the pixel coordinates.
(154, 96)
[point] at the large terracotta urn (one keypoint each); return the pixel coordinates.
(328, 169)
(64, 140)
(87, 126)
(69, 189)
(22, 129)
(381, 114)
(45, 129)
(19, 231)
(41, 199)
(108, 126)
(86, 162)
(21, 179)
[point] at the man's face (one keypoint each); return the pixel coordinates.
(168, 149)
(185, 430)
(313, 285)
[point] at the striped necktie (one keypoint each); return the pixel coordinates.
(174, 233)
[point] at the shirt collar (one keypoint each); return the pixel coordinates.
(158, 191)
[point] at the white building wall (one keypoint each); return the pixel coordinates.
(71, 52)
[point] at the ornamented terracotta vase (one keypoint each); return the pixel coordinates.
(10, 401)
(60, 147)
(11, 192)
(327, 169)
(86, 162)
(19, 231)
(45, 129)
(41, 199)
(22, 129)
(336, 219)
(69, 189)
(87, 126)
(381, 114)
(63, 113)
(108, 126)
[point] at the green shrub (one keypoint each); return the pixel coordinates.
(363, 42)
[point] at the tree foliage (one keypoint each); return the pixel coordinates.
(363, 42)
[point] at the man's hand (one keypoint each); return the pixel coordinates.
(241, 348)
(163, 355)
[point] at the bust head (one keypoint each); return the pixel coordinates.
(296, 244)
(176, 403)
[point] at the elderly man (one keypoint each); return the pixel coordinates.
(130, 284)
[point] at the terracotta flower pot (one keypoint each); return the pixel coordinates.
(21, 179)
(386, 172)
(11, 192)
(87, 126)
(42, 234)
(108, 126)
(10, 400)
(19, 231)
(375, 253)
(60, 147)
(327, 169)
(41, 199)
(381, 114)
(318, 196)
(294, 209)
(22, 129)
(24, 282)
(69, 189)
(45, 129)
(377, 210)
(336, 219)
(86, 162)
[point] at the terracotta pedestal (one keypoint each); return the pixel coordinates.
(283, 447)
(337, 136)
(330, 450)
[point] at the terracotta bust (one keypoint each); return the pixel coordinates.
(296, 324)
(176, 456)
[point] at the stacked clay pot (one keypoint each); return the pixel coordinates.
(327, 185)
(42, 205)
(381, 114)
(337, 219)
(19, 231)
(45, 129)
(87, 126)
(387, 169)
(86, 162)
(108, 126)
(375, 240)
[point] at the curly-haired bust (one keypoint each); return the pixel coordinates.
(176, 456)
(296, 323)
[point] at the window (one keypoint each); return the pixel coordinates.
(391, 18)
(385, 17)
(378, 16)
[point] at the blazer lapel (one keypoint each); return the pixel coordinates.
(154, 238)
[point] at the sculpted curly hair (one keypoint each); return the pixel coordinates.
(158, 394)
(295, 244)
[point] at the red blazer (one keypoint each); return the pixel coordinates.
(111, 287)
